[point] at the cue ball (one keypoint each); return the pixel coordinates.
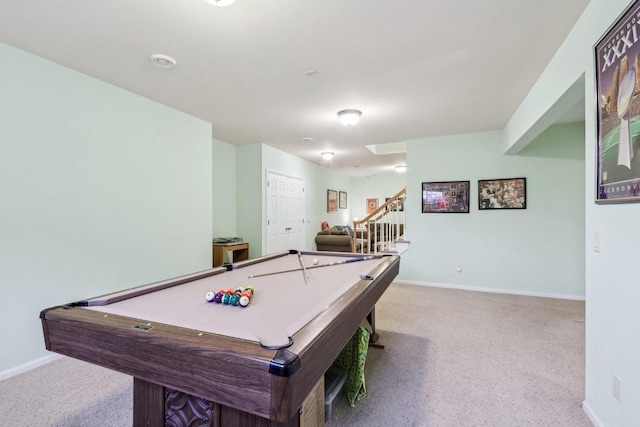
(209, 296)
(315, 261)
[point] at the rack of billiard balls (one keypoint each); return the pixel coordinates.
(240, 296)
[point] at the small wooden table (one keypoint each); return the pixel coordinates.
(240, 253)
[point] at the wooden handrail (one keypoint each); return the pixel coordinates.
(373, 218)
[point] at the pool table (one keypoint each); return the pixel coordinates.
(221, 364)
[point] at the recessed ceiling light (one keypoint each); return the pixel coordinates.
(310, 73)
(401, 168)
(221, 3)
(307, 139)
(349, 117)
(163, 61)
(327, 155)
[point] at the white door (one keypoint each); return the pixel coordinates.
(285, 212)
(295, 210)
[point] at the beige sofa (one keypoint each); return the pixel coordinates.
(334, 239)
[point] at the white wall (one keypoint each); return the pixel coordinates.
(100, 190)
(612, 280)
(537, 250)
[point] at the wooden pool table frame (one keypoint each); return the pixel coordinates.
(234, 374)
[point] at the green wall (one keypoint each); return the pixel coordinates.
(224, 188)
(537, 250)
(612, 290)
(101, 190)
(249, 204)
(373, 187)
(252, 163)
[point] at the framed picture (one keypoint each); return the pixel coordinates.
(618, 110)
(372, 205)
(399, 208)
(510, 193)
(332, 201)
(343, 200)
(445, 197)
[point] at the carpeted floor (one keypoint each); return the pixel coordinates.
(452, 358)
(460, 358)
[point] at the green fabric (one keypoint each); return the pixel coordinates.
(352, 359)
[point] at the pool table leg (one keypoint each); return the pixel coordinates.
(373, 339)
(155, 405)
(148, 403)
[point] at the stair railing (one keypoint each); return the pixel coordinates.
(382, 227)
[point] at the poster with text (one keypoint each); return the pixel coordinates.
(618, 119)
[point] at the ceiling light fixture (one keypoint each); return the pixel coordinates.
(221, 3)
(163, 61)
(401, 168)
(327, 155)
(349, 117)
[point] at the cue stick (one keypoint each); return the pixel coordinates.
(329, 264)
(305, 274)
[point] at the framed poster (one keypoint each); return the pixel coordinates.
(445, 197)
(343, 200)
(399, 206)
(332, 201)
(372, 205)
(618, 110)
(510, 193)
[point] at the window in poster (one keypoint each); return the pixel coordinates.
(343, 200)
(618, 110)
(510, 193)
(445, 197)
(332, 201)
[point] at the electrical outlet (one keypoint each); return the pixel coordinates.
(459, 268)
(616, 388)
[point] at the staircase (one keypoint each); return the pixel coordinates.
(383, 230)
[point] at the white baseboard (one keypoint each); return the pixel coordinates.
(492, 290)
(592, 416)
(29, 366)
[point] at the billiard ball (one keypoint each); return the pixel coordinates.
(234, 300)
(244, 301)
(218, 298)
(315, 261)
(250, 288)
(209, 296)
(226, 298)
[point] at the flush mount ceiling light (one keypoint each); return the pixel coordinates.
(221, 3)
(327, 155)
(349, 117)
(163, 61)
(401, 168)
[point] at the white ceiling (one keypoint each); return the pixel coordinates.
(415, 68)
